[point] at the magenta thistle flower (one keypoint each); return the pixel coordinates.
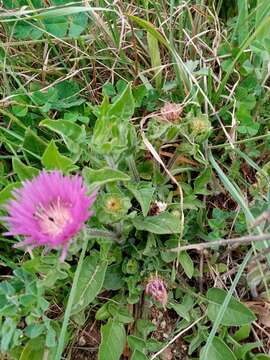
(156, 288)
(49, 210)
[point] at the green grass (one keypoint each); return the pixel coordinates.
(82, 91)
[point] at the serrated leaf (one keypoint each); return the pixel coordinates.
(237, 314)
(113, 339)
(90, 282)
(164, 223)
(96, 178)
(52, 159)
(23, 171)
(220, 351)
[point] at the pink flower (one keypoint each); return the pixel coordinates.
(49, 210)
(156, 288)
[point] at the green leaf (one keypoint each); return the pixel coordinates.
(7, 331)
(242, 333)
(96, 178)
(154, 53)
(138, 355)
(202, 180)
(65, 128)
(136, 343)
(90, 282)
(143, 193)
(164, 223)
(220, 351)
(72, 134)
(35, 350)
(261, 357)
(6, 193)
(145, 327)
(23, 171)
(33, 143)
(237, 314)
(184, 308)
(149, 28)
(113, 339)
(52, 159)
(186, 263)
(120, 313)
(19, 110)
(242, 351)
(123, 107)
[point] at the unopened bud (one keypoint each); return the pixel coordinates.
(156, 288)
(171, 112)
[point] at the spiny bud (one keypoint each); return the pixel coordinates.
(171, 112)
(156, 288)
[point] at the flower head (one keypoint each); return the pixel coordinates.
(49, 210)
(171, 112)
(156, 288)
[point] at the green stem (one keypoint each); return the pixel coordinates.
(61, 342)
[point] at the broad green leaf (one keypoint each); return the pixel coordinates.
(7, 331)
(72, 134)
(23, 171)
(242, 333)
(237, 314)
(90, 282)
(123, 107)
(145, 327)
(186, 263)
(34, 144)
(184, 308)
(261, 357)
(52, 159)
(113, 339)
(202, 180)
(35, 349)
(220, 351)
(242, 351)
(19, 110)
(136, 343)
(143, 193)
(138, 355)
(77, 25)
(56, 26)
(6, 193)
(96, 178)
(120, 313)
(66, 129)
(164, 223)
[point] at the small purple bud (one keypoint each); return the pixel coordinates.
(156, 288)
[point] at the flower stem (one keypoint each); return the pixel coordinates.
(61, 342)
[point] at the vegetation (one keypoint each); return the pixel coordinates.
(164, 107)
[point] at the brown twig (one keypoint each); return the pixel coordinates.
(223, 242)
